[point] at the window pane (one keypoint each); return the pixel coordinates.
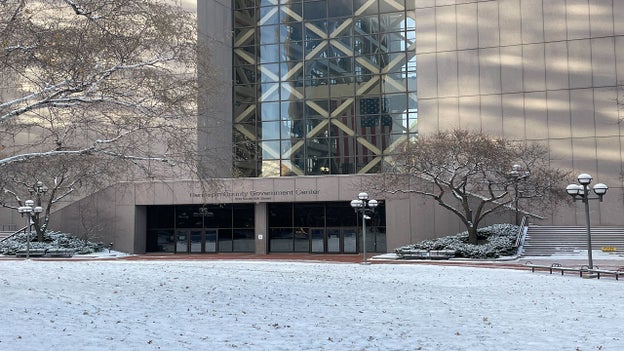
(315, 9)
(281, 239)
(271, 130)
(225, 240)
(188, 217)
(309, 215)
(339, 215)
(302, 239)
(280, 215)
(243, 240)
(160, 217)
(340, 8)
(244, 216)
(216, 216)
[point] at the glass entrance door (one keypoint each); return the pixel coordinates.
(333, 240)
(318, 240)
(196, 241)
(349, 237)
(182, 239)
(211, 240)
(337, 240)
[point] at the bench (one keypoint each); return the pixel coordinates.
(441, 254)
(45, 253)
(558, 267)
(425, 254)
(60, 252)
(30, 253)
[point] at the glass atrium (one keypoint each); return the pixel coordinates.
(322, 87)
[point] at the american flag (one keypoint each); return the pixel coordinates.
(374, 125)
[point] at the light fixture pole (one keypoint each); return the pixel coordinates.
(581, 192)
(38, 190)
(364, 206)
(28, 209)
(516, 175)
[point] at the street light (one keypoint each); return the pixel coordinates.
(28, 210)
(516, 175)
(364, 206)
(38, 190)
(581, 192)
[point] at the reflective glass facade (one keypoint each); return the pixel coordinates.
(200, 228)
(323, 227)
(322, 87)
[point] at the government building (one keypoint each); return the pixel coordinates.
(314, 95)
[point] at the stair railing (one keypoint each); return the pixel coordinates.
(15, 233)
(521, 234)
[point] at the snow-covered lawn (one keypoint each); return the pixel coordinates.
(269, 305)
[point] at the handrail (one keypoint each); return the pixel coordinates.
(521, 231)
(15, 233)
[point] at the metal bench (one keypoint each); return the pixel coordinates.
(60, 252)
(30, 253)
(425, 254)
(45, 253)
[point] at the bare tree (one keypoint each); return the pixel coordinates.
(96, 77)
(472, 175)
(94, 90)
(50, 184)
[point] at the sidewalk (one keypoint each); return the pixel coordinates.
(600, 259)
(576, 260)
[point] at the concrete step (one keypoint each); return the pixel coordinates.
(5, 234)
(550, 240)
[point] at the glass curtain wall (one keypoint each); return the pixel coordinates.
(323, 227)
(200, 229)
(323, 86)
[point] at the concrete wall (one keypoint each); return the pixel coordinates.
(108, 216)
(215, 80)
(119, 211)
(544, 71)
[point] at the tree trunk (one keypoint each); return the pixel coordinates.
(38, 230)
(472, 235)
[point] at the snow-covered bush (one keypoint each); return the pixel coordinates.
(54, 240)
(494, 241)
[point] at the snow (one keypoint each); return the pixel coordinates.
(122, 304)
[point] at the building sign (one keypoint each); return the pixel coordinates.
(256, 195)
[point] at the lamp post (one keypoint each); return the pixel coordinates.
(516, 175)
(29, 209)
(581, 192)
(364, 206)
(38, 190)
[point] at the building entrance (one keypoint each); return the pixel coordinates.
(334, 240)
(204, 228)
(196, 241)
(306, 227)
(330, 227)
(342, 240)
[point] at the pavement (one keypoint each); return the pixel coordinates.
(600, 260)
